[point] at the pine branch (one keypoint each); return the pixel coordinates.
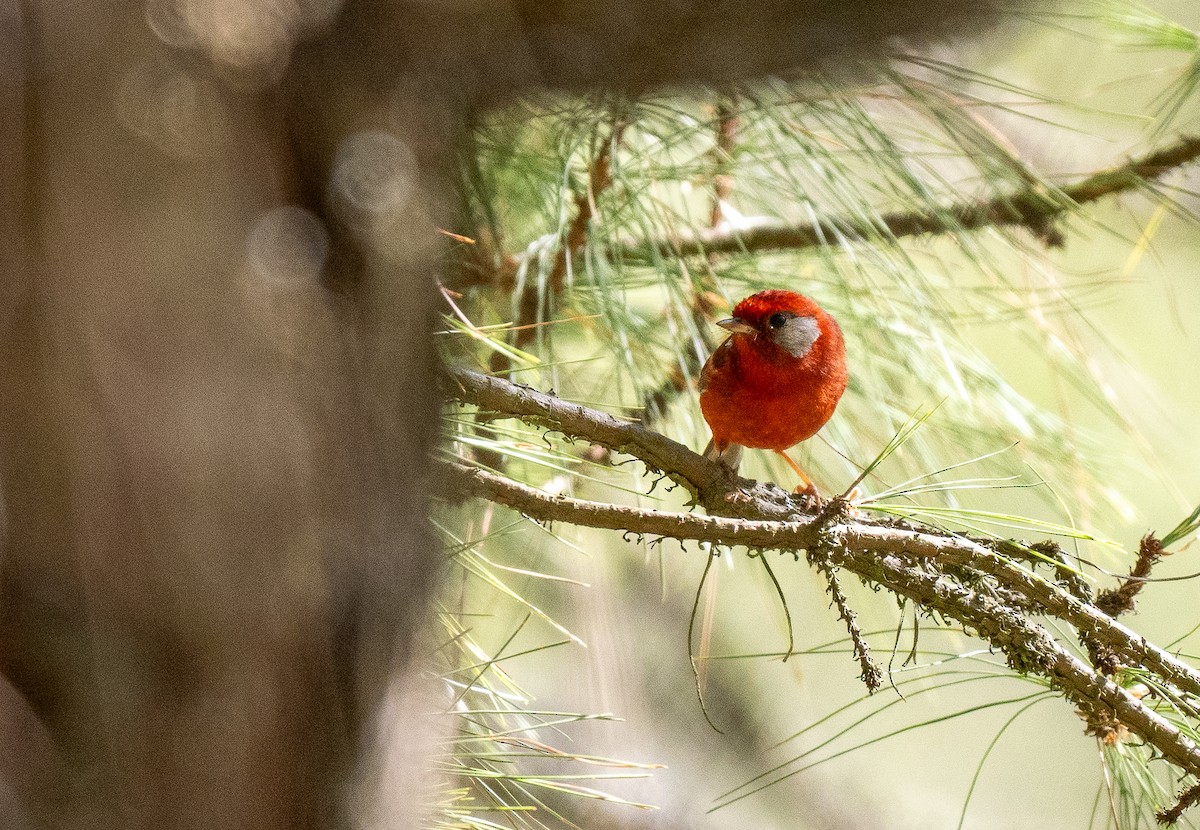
(712, 488)
(1035, 209)
(657, 451)
(761, 515)
(1027, 645)
(924, 565)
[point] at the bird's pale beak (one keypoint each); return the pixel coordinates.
(736, 326)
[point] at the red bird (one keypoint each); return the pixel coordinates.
(775, 381)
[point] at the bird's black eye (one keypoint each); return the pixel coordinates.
(777, 320)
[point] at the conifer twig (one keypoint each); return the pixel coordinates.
(1035, 208)
(871, 674)
(1117, 601)
(1187, 798)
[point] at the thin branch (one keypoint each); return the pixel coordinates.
(659, 453)
(871, 674)
(1117, 601)
(1035, 208)
(1187, 798)
(772, 535)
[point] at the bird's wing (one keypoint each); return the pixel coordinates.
(718, 361)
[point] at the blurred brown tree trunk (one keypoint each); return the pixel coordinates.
(213, 483)
(215, 537)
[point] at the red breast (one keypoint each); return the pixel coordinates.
(778, 377)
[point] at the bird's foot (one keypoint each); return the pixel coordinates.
(809, 496)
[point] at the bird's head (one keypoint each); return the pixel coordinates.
(789, 320)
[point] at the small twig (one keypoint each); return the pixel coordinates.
(1187, 798)
(1117, 601)
(836, 511)
(871, 674)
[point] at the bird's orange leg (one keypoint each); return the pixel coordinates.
(809, 488)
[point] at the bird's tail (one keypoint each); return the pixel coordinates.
(729, 456)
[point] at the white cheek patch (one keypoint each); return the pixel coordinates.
(797, 336)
